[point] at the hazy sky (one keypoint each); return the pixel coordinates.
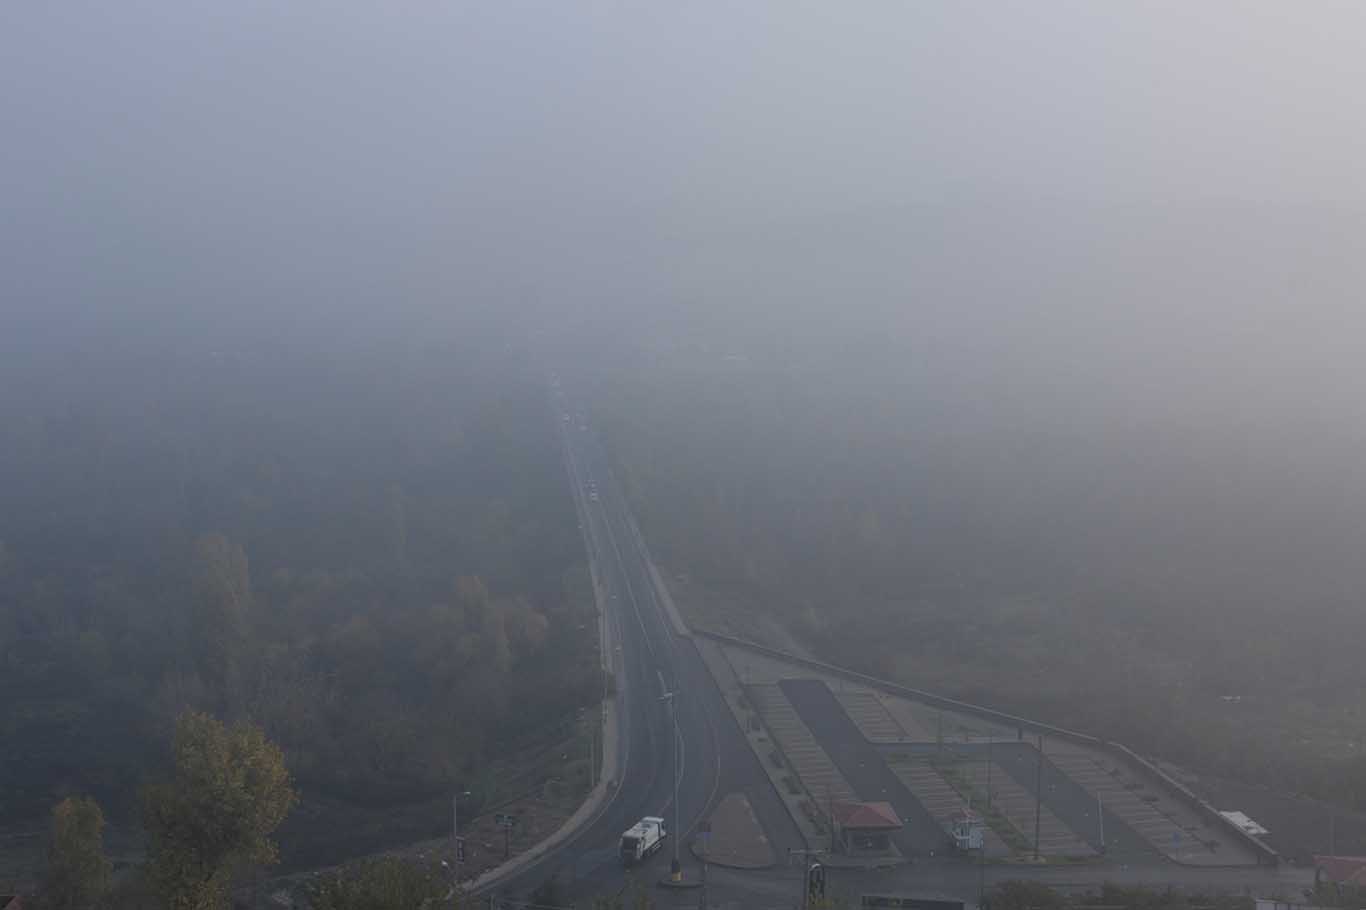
(357, 110)
(1126, 221)
(319, 161)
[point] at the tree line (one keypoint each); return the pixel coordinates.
(373, 559)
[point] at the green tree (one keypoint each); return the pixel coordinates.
(77, 870)
(229, 792)
(388, 883)
(222, 602)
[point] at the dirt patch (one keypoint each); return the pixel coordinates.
(737, 839)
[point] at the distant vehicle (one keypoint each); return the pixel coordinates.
(642, 839)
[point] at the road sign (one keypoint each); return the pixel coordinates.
(506, 822)
(459, 849)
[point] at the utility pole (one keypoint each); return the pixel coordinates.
(1100, 814)
(457, 853)
(1038, 797)
(676, 868)
(806, 855)
(830, 815)
(981, 872)
(702, 902)
(989, 742)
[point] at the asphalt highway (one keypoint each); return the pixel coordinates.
(650, 659)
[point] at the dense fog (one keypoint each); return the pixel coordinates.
(1008, 331)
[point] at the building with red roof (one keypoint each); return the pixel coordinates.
(865, 827)
(1340, 870)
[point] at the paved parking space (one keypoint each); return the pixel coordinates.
(940, 798)
(1016, 803)
(803, 753)
(1143, 817)
(1173, 828)
(866, 710)
(863, 765)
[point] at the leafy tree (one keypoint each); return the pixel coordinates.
(222, 598)
(388, 883)
(77, 870)
(229, 792)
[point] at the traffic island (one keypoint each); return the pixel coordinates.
(737, 840)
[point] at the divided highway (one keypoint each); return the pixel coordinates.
(648, 658)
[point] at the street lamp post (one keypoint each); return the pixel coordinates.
(676, 868)
(456, 853)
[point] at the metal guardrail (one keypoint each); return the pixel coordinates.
(1265, 854)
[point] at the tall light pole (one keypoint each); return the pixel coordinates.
(676, 869)
(1038, 797)
(1100, 815)
(455, 830)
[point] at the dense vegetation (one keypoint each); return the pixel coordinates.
(372, 556)
(1142, 578)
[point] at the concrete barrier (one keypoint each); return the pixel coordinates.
(1264, 853)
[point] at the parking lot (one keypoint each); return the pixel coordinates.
(803, 753)
(868, 713)
(1007, 797)
(846, 739)
(940, 798)
(1158, 817)
(862, 764)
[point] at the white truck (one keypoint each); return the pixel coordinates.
(642, 839)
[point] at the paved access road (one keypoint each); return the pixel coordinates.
(653, 658)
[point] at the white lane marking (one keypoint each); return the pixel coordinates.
(673, 641)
